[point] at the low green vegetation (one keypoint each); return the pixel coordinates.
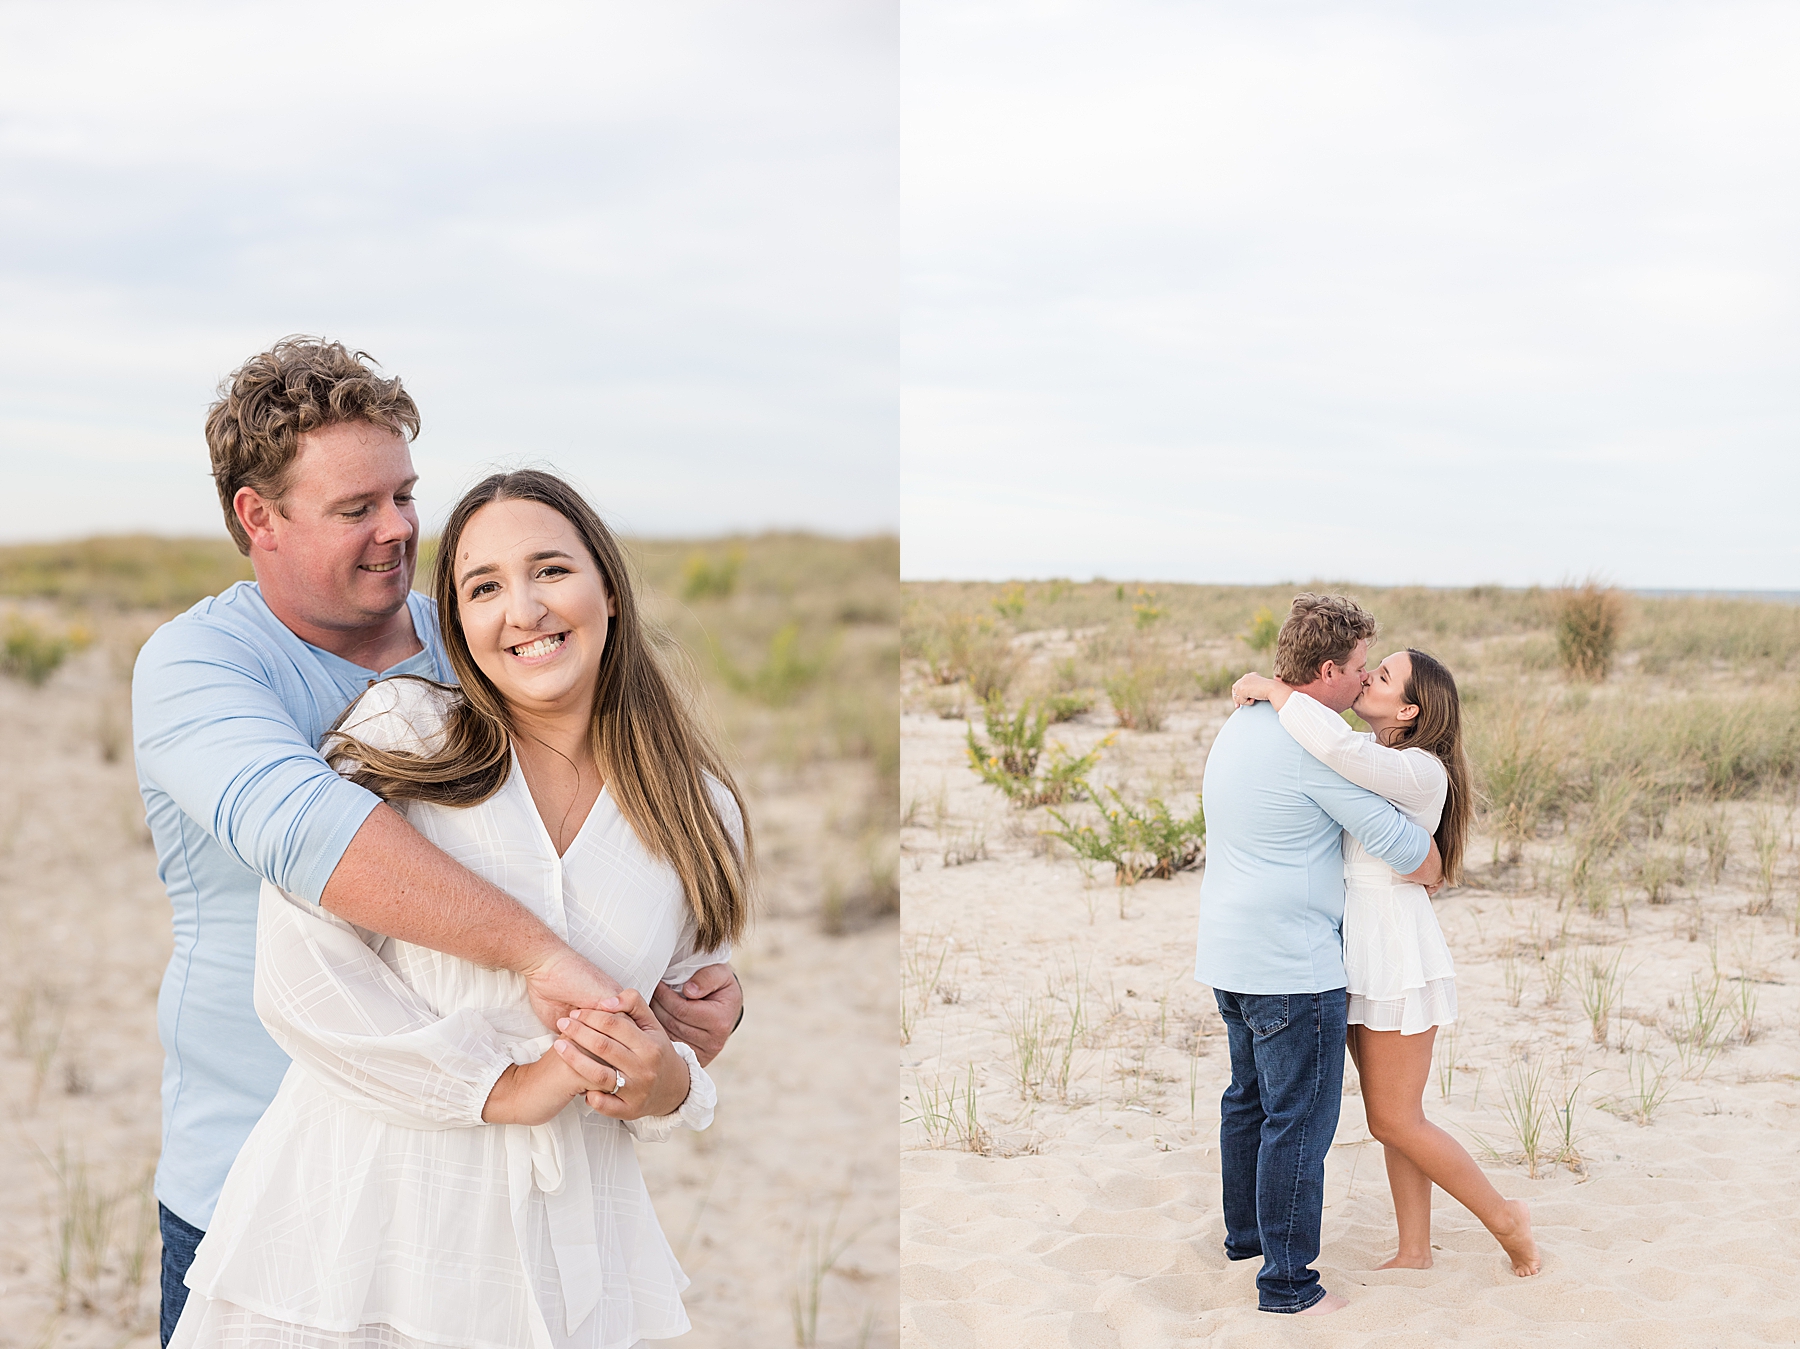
(33, 651)
(799, 657)
(1142, 687)
(1067, 706)
(789, 640)
(1613, 736)
(1138, 840)
(134, 571)
(705, 576)
(1263, 630)
(1013, 757)
(972, 648)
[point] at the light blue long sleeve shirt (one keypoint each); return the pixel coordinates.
(1272, 900)
(227, 708)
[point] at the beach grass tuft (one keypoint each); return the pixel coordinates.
(1588, 618)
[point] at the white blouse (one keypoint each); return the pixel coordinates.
(371, 1206)
(1413, 779)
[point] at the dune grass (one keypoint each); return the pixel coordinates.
(127, 571)
(791, 640)
(1612, 721)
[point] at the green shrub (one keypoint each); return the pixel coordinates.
(1588, 618)
(1067, 706)
(33, 654)
(1018, 739)
(1145, 611)
(963, 647)
(1012, 758)
(703, 578)
(1137, 841)
(1140, 694)
(1010, 603)
(1263, 630)
(1216, 682)
(784, 671)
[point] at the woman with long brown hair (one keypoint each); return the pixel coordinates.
(436, 1170)
(1400, 979)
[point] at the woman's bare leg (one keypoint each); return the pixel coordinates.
(1394, 1069)
(1411, 1189)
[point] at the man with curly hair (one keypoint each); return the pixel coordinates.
(311, 456)
(1271, 918)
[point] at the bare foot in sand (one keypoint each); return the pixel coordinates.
(1326, 1305)
(1404, 1261)
(1518, 1243)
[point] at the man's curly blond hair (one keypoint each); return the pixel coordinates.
(298, 385)
(1319, 628)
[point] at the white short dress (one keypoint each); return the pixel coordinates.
(1397, 969)
(371, 1208)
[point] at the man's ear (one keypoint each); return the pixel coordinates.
(255, 513)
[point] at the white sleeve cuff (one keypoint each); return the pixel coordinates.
(696, 1111)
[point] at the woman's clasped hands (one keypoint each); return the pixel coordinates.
(599, 1045)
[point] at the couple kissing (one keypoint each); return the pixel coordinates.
(1324, 847)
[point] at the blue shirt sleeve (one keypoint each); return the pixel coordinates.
(210, 730)
(1373, 821)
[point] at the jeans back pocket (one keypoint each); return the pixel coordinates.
(1265, 1013)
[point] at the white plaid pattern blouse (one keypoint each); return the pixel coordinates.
(371, 1206)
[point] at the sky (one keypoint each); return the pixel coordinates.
(654, 246)
(1400, 293)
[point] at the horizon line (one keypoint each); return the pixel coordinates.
(1647, 592)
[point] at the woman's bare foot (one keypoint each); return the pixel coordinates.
(1405, 1261)
(1326, 1305)
(1520, 1247)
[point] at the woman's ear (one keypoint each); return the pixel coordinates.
(1407, 712)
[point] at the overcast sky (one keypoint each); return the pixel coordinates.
(654, 245)
(1388, 292)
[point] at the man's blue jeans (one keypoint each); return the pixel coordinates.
(180, 1239)
(1276, 1123)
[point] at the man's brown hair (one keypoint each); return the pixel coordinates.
(1319, 628)
(298, 385)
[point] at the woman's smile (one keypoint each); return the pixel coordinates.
(540, 649)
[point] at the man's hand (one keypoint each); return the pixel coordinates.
(1431, 870)
(703, 1012)
(563, 982)
(391, 881)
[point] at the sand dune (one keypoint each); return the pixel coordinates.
(1093, 1218)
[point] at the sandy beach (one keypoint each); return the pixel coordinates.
(1075, 1202)
(784, 1208)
